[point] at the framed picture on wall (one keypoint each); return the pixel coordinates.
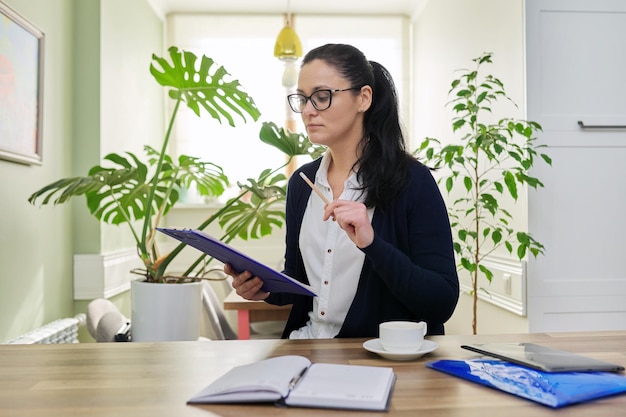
(21, 88)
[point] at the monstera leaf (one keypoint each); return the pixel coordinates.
(190, 171)
(119, 193)
(123, 191)
(254, 215)
(291, 144)
(201, 84)
(114, 195)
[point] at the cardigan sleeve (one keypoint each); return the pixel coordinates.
(412, 251)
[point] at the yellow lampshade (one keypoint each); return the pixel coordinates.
(287, 46)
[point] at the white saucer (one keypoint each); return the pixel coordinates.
(373, 345)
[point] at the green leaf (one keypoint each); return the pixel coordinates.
(486, 57)
(291, 144)
(496, 236)
(467, 181)
(489, 203)
(119, 193)
(209, 179)
(546, 158)
(528, 131)
(508, 246)
(465, 263)
(458, 124)
(523, 238)
(511, 184)
(203, 85)
(257, 217)
(532, 181)
(486, 271)
(457, 247)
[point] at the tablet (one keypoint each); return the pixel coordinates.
(273, 281)
(542, 357)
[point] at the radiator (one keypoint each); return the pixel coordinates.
(59, 331)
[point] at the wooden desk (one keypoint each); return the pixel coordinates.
(251, 311)
(156, 379)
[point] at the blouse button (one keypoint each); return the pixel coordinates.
(329, 250)
(322, 313)
(325, 282)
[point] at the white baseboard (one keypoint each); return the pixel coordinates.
(104, 275)
(507, 289)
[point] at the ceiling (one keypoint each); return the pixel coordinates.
(375, 7)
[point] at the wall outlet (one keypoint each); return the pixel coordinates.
(506, 278)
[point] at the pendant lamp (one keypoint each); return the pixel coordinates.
(288, 49)
(288, 46)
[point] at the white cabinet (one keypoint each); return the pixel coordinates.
(576, 70)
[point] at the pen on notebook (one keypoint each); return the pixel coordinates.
(314, 188)
(294, 381)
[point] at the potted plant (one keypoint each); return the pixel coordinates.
(138, 193)
(493, 160)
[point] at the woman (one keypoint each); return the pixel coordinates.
(382, 248)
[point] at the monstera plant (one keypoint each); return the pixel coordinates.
(127, 190)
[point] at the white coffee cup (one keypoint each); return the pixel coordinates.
(402, 336)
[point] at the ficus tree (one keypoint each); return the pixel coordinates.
(488, 163)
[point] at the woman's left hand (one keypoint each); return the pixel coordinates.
(352, 217)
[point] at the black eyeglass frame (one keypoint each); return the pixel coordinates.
(310, 98)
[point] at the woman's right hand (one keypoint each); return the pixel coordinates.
(247, 286)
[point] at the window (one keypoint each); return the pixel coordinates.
(244, 45)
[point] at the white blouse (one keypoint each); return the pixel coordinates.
(332, 261)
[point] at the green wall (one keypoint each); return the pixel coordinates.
(98, 98)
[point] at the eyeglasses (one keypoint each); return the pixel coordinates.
(321, 99)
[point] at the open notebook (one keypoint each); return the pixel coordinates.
(294, 381)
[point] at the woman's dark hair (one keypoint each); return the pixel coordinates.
(384, 162)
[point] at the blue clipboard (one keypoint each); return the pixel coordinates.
(273, 281)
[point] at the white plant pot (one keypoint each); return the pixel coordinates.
(165, 312)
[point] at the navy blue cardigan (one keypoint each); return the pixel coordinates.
(409, 272)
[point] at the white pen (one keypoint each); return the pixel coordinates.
(314, 188)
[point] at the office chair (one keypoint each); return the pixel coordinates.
(218, 325)
(105, 322)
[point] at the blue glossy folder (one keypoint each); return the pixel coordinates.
(554, 389)
(273, 281)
